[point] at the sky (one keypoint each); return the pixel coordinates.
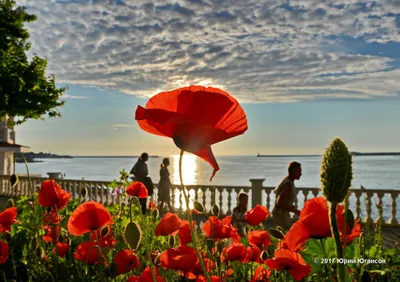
(305, 72)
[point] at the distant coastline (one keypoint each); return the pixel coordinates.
(31, 157)
(111, 157)
(352, 153)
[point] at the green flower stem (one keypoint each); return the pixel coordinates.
(346, 207)
(143, 222)
(328, 266)
(29, 179)
(336, 236)
(203, 268)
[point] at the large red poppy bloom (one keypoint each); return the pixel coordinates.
(253, 254)
(51, 195)
(169, 225)
(220, 229)
(126, 260)
(89, 216)
(4, 252)
(295, 239)
(256, 215)
(234, 252)
(7, 218)
(137, 189)
(315, 218)
(182, 258)
(195, 117)
(259, 238)
(290, 261)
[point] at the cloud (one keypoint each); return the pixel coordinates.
(259, 51)
(66, 96)
(122, 125)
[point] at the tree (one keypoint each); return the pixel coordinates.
(25, 91)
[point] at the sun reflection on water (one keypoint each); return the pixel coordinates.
(189, 172)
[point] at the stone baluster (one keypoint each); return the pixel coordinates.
(221, 197)
(394, 195)
(358, 195)
(101, 186)
(256, 191)
(90, 191)
(268, 198)
(107, 190)
(204, 190)
(380, 196)
(368, 218)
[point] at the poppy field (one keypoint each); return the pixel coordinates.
(52, 237)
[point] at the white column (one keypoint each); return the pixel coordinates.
(6, 163)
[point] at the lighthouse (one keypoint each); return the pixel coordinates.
(8, 147)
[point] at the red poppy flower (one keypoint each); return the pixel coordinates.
(180, 114)
(126, 260)
(88, 252)
(137, 189)
(62, 249)
(234, 252)
(4, 252)
(259, 238)
(51, 195)
(104, 241)
(256, 215)
(182, 258)
(290, 261)
(169, 225)
(261, 274)
(253, 254)
(184, 233)
(8, 218)
(146, 276)
(296, 237)
(87, 217)
(52, 218)
(223, 229)
(315, 217)
(53, 234)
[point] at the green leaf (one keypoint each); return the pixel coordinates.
(314, 247)
(133, 235)
(330, 247)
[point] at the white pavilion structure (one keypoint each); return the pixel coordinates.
(8, 147)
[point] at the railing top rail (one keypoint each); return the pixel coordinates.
(206, 186)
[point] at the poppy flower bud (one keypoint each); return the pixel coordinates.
(39, 252)
(336, 171)
(210, 243)
(13, 180)
(34, 243)
(155, 213)
(133, 235)
(84, 192)
(10, 203)
(171, 241)
(215, 210)
(264, 256)
(105, 231)
(220, 246)
(198, 207)
(112, 270)
(7, 236)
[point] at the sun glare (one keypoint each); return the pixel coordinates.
(189, 168)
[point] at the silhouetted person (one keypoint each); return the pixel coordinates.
(285, 197)
(141, 172)
(164, 187)
(238, 219)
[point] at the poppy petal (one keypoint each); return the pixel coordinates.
(87, 217)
